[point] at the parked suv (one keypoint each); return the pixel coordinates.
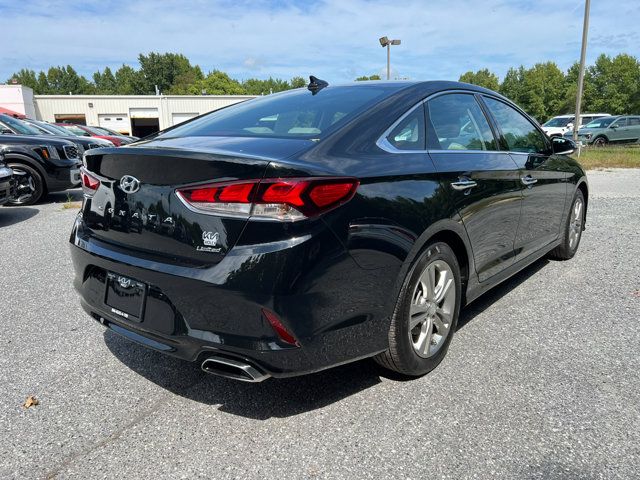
(558, 126)
(620, 129)
(40, 165)
(34, 127)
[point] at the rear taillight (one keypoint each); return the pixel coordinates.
(284, 199)
(90, 183)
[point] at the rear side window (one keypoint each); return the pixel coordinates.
(458, 123)
(409, 133)
(293, 114)
(634, 121)
(520, 134)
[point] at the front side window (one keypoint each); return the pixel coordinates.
(559, 122)
(621, 122)
(520, 134)
(456, 122)
(409, 133)
(602, 122)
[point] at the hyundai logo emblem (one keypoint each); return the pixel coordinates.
(129, 184)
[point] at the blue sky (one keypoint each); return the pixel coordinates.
(332, 39)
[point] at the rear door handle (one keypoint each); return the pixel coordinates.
(528, 180)
(463, 184)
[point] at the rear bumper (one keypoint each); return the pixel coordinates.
(337, 311)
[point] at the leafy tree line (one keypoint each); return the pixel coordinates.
(611, 85)
(172, 73)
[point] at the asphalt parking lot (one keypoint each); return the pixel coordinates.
(542, 379)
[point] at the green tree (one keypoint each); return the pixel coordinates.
(27, 78)
(482, 78)
(163, 70)
(65, 80)
(216, 83)
(298, 82)
(616, 84)
(183, 82)
(512, 84)
(105, 82)
(370, 77)
(543, 90)
(129, 81)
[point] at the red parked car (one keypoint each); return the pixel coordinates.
(84, 131)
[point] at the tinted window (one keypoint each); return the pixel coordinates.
(457, 123)
(634, 121)
(621, 122)
(521, 135)
(294, 114)
(559, 122)
(409, 133)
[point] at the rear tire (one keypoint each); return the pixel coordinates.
(426, 313)
(31, 187)
(572, 230)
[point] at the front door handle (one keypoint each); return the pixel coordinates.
(528, 180)
(463, 184)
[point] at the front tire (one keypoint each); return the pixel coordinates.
(31, 186)
(572, 230)
(600, 142)
(426, 313)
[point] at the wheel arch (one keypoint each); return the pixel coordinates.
(453, 234)
(12, 157)
(584, 188)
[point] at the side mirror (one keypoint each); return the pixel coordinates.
(563, 146)
(570, 125)
(613, 126)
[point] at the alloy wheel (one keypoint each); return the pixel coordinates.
(26, 186)
(432, 308)
(575, 223)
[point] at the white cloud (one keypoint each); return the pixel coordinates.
(334, 39)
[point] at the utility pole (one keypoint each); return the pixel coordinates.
(583, 54)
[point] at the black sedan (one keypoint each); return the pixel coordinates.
(314, 227)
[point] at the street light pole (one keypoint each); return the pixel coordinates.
(388, 61)
(583, 54)
(385, 42)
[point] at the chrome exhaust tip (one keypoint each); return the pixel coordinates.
(233, 369)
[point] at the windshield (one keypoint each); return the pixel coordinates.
(601, 122)
(56, 130)
(19, 126)
(559, 122)
(76, 131)
(294, 114)
(97, 131)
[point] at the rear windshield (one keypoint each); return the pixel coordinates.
(293, 114)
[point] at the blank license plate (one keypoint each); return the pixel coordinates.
(125, 296)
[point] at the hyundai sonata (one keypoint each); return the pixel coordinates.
(306, 229)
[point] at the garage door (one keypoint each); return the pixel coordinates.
(143, 112)
(118, 122)
(182, 117)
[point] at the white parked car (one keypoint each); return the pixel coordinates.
(558, 126)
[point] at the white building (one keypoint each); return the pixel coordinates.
(138, 115)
